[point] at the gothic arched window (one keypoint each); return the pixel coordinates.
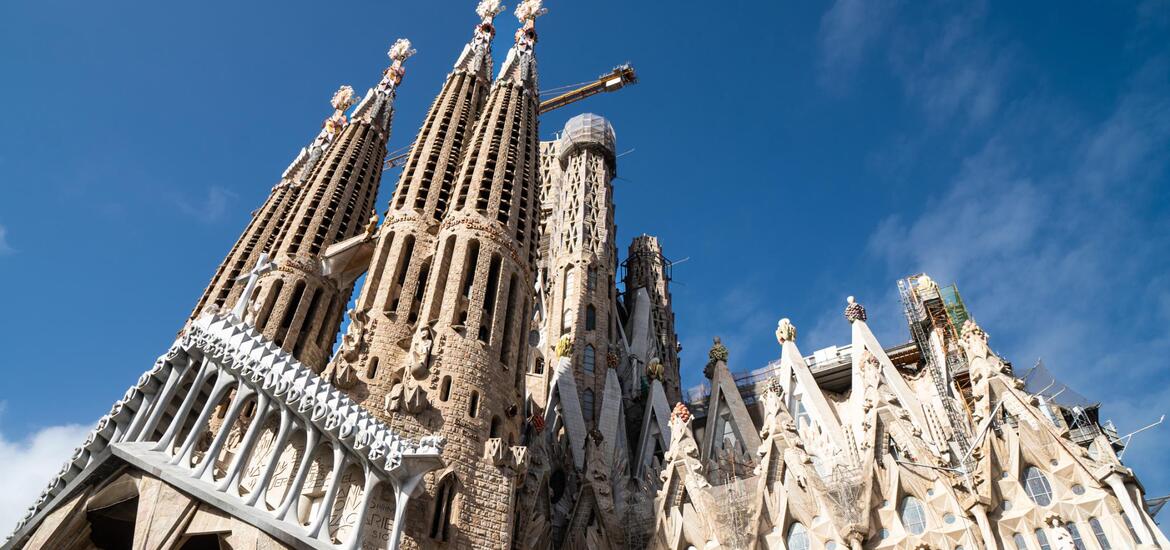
(1037, 486)
(913, 515)
(590, 317)
(797, 537)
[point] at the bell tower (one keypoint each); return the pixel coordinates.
(297, 304)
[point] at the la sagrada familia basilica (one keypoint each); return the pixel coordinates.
(495, 387)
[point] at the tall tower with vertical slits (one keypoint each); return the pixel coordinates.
(389, 307)
(268, 222)
(581, 261)
(297, 305)
(463, 370)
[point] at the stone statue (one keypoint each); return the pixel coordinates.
(372, 226)
(420, 352)
(351, 343)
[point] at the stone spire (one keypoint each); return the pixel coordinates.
(297, 305)
(390, 304)
(580, 261)
(271, 218)
(476, 301)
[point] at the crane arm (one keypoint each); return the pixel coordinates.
(614, 80)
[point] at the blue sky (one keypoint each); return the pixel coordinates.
(796, 152)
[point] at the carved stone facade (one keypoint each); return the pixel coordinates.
(857, 449)
(494, 387)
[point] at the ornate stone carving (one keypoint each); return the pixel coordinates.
(495, 452)
(655, 371)
(717, 353)
(353, 342)
(854, 311)
(785, 331)
(564, 346)
(420, 352)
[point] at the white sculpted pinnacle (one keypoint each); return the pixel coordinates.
(401, 50)
(488, 9)
(529, 10)
(785, 331)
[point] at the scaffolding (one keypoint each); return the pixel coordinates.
(638, 519)
(844, 491)
(734, 503)
(928, 307)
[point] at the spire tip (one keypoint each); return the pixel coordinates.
(488, 9)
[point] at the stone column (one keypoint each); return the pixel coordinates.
(1127, 506)
(989, 540)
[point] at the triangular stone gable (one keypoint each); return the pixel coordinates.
(725, 401)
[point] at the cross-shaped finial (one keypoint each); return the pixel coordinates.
(262, 266)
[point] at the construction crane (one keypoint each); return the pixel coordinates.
(618, 78)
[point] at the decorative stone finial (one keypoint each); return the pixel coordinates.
(342, 99)
(718, 353)
(611, 359)
(564, 346)
(681, 413)
(854, 311)
(527, 12)
(925, 284)
(785, 331)
(654, 370)
(392, 76)
(775, 386)
(489, 9)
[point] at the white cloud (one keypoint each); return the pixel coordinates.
(210, 210)
(1048, 230)
(847, 30)
(5, 248)
(29, 465)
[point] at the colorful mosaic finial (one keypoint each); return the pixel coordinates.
(854, 311)
(392, 76)
(343, 99)
(489, 9)
(527, 12)
(681, 412)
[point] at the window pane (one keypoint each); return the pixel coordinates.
(1100, 534)
(1076, 535)
(1042, 539)
(797, 537)
(1037, 487)
(590, 358)
(1018, 539)
(913, 515)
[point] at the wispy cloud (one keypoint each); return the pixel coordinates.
(29, 465)
(209, 210)
(847, 30)
(1047, 229)
(5, 248)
